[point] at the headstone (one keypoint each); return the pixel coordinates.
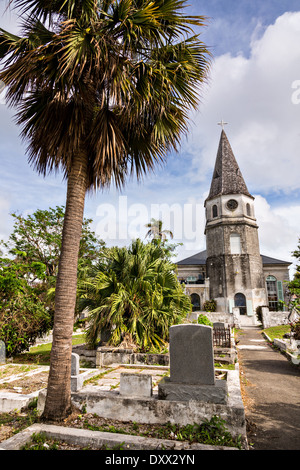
(236, 317)
(191, 354)
(135, 385)
(76, 377)
(218, 324)
(74, 364)
(192, 373)
(2, 352)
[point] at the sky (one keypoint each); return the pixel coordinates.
(254, 86)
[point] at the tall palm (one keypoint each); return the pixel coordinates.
(156, 230)
(102, 90)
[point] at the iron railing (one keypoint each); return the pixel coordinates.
(222, 337)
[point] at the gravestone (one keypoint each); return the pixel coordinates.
(76, 377)
(218, 324)
(137, 385)
(2, 352)
(192, 373)
(191, 354)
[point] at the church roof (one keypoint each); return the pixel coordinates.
(200, 259)
(227, 177)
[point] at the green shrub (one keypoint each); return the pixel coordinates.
(23, 315)
(22, 320)
(210, 306)
(203, 320)
(295, 328)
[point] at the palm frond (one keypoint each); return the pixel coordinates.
(111, 80)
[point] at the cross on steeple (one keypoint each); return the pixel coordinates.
(222, 123)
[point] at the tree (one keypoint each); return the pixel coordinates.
(133, 292)
(159, 237)
(102, 90)
(294, 285)
(37, 238)
(156, 231)
(23, 315)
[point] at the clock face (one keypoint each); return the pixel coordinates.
(232, 204)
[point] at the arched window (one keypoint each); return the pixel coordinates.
(235, 244)
(215, 211)
(240, 301)
(195, 299)
(272, 292)
(248, 209)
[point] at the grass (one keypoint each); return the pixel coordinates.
(10, 369)
(41, 354)
(277, 331)
(211, 432)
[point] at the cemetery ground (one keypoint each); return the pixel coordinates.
(263, 421)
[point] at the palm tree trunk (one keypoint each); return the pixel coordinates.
(58, 399)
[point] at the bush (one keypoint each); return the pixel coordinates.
(23, 315)
(295, 329)
(22, 321)
(134, 293)
(203, 320)
(210, 306)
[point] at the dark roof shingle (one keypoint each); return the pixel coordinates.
(227, 177)
(200, 259)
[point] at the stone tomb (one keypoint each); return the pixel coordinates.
(2, 352)
(192, 373)
(76, 377)
(135, 385)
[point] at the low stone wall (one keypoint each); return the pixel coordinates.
(270, 319)
(227, 318)
(152, 410)
(106, 356)
(103, 357)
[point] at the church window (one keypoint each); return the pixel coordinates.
(215, 211)
(275, 293)
(248, 208)
(240, 302)
(235, 244)
(195, 299)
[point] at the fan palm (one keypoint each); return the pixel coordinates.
(102, 90)
(133, 291)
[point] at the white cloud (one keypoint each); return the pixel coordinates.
(5, 223)
(254, 95)
(278, 229)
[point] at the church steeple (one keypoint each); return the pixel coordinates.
(233, 263)
(227, 177)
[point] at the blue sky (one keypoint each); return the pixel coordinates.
(254, 83)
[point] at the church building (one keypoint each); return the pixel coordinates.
(231, 270)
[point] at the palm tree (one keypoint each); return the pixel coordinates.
(133, 292)
(102, 90)
(156, 232)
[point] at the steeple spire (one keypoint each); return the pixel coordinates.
(227, 177)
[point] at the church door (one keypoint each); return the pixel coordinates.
(240, 301)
